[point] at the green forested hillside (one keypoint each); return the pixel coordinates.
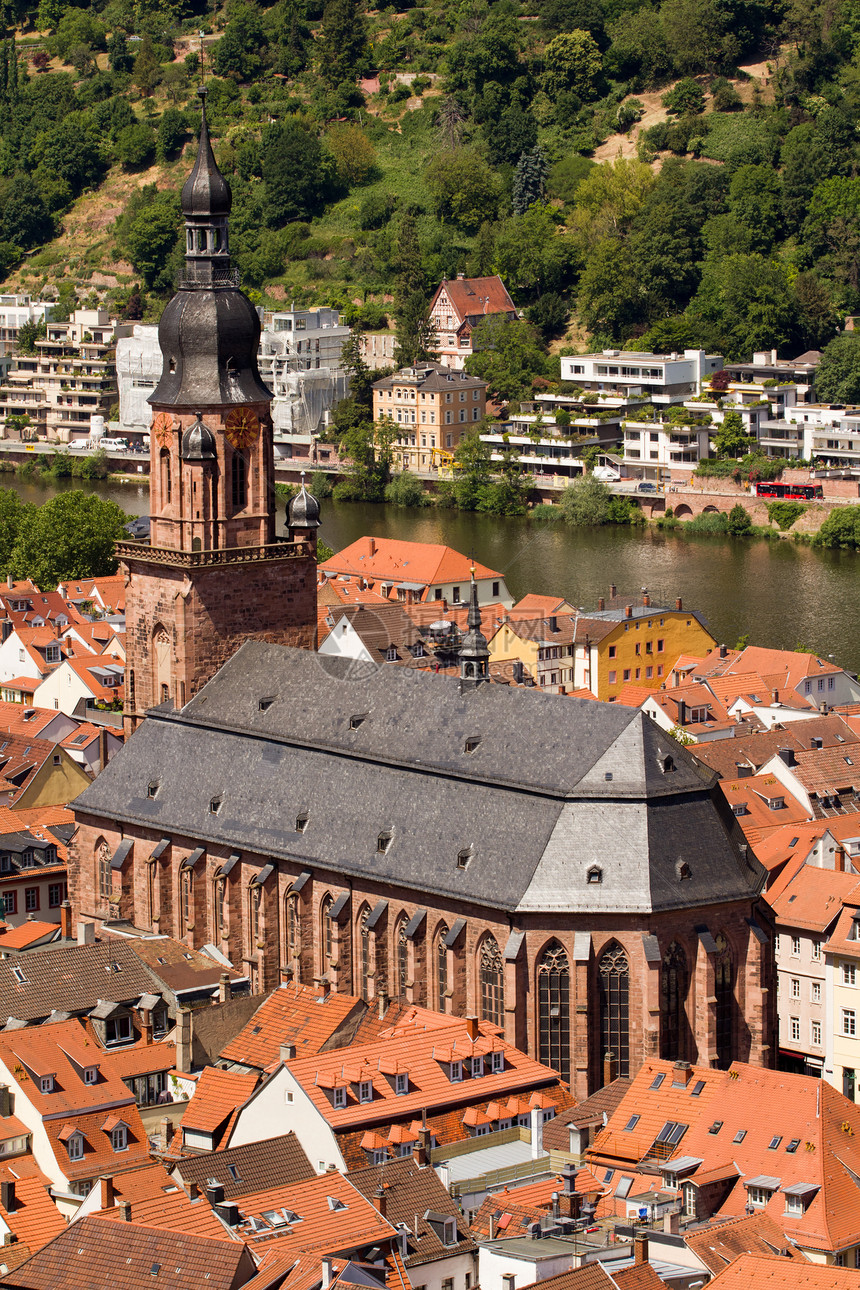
(373, 152)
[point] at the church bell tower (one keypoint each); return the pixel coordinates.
(213, 573)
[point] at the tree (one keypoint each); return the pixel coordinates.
(14, 515)
(146, 72)
(28, 333)
(354, 154)
(838, 377)
(730, 439)
(79, 27)
(686, 99)
(136, 145)
(585, 502)
(73, 151)
(171, 132)
(25, 220)
(755, 200)
(293, 38)
(416, 335)
(119, 58)
(610, 301)
(71, 536)
(529, 180)
(360, 375)
(572, 64)
(406, 259)
(463, 188)
(151, 238)
(529, 253)
(238, 52)
(342, 45)
(549, 314)
(514, 133)
(297, 174)
(747, 302)
(507, 355)
(740, 521)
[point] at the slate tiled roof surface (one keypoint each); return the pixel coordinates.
(410, 1192)
(217, 1095)
(755, 1270)
(104, 1255)
(530, 802)
(717, 1245)
(72, 979)
(302, 1015)
(241, 1171)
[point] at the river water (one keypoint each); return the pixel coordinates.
(781, 593)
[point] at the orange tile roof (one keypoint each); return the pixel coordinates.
(695, 696)
(217, 1095)
(424, 1057)
(99, 1156)
(533, 604)
(759, 1271)
(28, 933)
(296, 1014)
(472, 296)
(351, 1221)
(110, 591)
(652, 1107)
(718, 1244)
(752, 793)
(83, 669)
(44, 1050)
(35, 1220)
(392, 560)
(633, 696)
(157, 1201)
(14, 716)
(821, 770)
(143, 1059)
(812, 898)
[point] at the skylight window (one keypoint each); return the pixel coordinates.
(301, 822)
(774, 1142)
(657, 1081)
(383, 843)
(631, 1123)
(215, 805)
(740, 1135)
(152, 788)
(356, 720)
(472, 744)
(463, 858)
(716, 1126)
(792, 1146)
(696, 1090)
(335, 1204)
(265, 704)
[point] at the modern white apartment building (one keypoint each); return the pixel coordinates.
(630, 374)
(14, 312)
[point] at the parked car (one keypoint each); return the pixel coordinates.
(645, 487)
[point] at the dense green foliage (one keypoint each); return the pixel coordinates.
(71, 536)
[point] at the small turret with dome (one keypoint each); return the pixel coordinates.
(303, 515)
(474, 651)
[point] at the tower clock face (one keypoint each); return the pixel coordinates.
(162, 428)
(242, 427)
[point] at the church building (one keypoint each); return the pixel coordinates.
(213, 572)
(559, 867)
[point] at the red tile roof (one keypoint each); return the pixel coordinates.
(391, 560)
(760, 1272)
(302, 1015)
(28, 933)
(718, 1244)
(473, 296)
(217, 1095)
(331, 1215)
(157, 1201)
(35, 1219)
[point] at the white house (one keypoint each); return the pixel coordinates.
(79, 683)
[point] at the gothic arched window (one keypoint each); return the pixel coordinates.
(105, 877)
(492, 982)
(164, 458)
(441, 968)
(292, 928)
(553, 979)
(239, 481)
(724, 990)
(614, 976)
(255, 901)
(219, 895)
(401, 950)
(326, 933)
(364, 949)
(674, 982)
(187, 882)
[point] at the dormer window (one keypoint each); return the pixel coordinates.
(595, 874)
(28, 859)
(215, 805)
(684, 871)
(497, 1063)
(456, 1072)
(357, 719)
(477, 1067)
(301, 823)
(339, 1098)
(401, 1084)
(365, 1091)
(91, 1074)
(5, 863)
(383, 843)
(46, 1084)
(75, 1147)
(472, 744)
(119, 1138)
(152, 788)
(463, 858)
(265, 704)
(449, 1232)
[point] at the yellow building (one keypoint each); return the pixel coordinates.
(430, 407)
(625, 641)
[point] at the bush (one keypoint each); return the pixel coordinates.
(687, 98)
(840, 529)
(784, 514)
(321, 485)
(713, 523)
(725, 96)
(585, 502)
(739, 139)
(406, 490)
(740, 521)
(376, 210)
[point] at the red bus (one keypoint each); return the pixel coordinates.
(791, 492)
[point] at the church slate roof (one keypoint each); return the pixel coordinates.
(554, 788)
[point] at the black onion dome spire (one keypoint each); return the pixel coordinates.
(303, 510)
(198, 442)
(210, 331)
(206, 191)
(474, 650)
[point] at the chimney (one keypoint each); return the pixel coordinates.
(601, 603)
(640, 1246)
(86, 933)
(723, 651)
(287, 1052)
(103, 748)
(108, 1194)
(646, 599)
(327, 1272)
(214, 1193)
(225, 992)
(165, 1132)
(420, 1155)
(325, 986)
(678, 605)
(228, 1210)
(682, 712)
(382, 1004)
(744, 770)
(610, 1068)
(372, 542)
(612, 591)
(66, 920)
(10, 582)
(146, 1025)
(379, 1200)
(7, 1196)
(556, 1207)
(672, 1223)
(5, 1101)
(839, 859)
(775, 695)
(472, 1027)
(193, 1191)
(184, 1035)
(552, 623)
(628, 611)
(786, 755)
(125, 1210)
(681, 1074)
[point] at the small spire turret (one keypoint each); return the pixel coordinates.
(474, 651)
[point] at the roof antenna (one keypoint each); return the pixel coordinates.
(202, 57)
